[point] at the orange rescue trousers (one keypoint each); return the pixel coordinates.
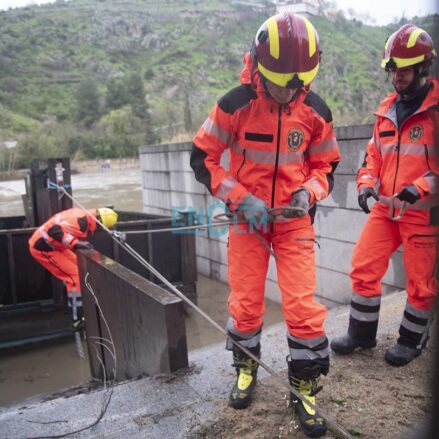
(62, 263)
(380, 238)
(248, 266)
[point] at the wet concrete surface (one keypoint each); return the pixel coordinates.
(172, 406)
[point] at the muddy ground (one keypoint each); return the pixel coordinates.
(362, 393)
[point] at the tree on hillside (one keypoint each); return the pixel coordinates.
(135, 93)
(116, 96)
(136, 96)
(87, 102)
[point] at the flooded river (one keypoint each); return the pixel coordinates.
(49, 367)
(120, 188)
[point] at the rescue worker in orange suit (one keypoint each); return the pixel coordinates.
(283, 152)
(54, 242)
(401, 158)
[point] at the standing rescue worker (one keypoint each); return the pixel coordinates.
(401, 157)
(283, 152)
(52, 245)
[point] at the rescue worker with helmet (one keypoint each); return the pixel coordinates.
(401, 160)
(283, 152)
(54, 242)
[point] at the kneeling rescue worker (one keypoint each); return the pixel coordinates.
(401, 157)
(52, 245)
(283, 152)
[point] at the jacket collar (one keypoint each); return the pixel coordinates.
(431, 99)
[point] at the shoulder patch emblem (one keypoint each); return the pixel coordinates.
(416, 133)
(295, 139)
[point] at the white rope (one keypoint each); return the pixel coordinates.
(178, 293)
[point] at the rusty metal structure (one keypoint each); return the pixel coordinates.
(33, 303)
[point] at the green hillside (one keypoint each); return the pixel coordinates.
(74, 75)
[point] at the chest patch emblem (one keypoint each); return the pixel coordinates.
(416, 133)
(295, 139)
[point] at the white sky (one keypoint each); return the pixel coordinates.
(6, 4)
(384, 11)
(381, 11)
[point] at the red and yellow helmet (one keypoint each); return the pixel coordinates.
(287, 50)
(408, 46)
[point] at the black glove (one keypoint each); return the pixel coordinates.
(299, 199)
(409, 193)
(254, 210)
(364, 194)
(83, 245)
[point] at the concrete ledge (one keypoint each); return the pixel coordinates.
(168, 406)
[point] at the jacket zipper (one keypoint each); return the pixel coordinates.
(242, 164)
(426, 156)
(398, 147)
(276, 165)
(397, 162)
(399, 144)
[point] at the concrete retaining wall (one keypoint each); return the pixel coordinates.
(169, 184)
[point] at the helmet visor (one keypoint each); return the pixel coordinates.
(284, 79)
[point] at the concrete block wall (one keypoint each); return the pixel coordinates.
(169, 184)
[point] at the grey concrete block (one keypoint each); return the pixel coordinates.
(182, 200)
(335, 255)
(156, 210)
(344, 194)
(165, 148)
(202, 245)
(218, 252)
(395, 276)
(220, 234)
(333, 286)
(180, 161)
(219, 272)
(186, 182)
(154, 162)
(156, 180)
(272, 271)
(354, 132)
(340, 224)
(203, 266)
(352, 153)
(337, 286)
(157, 198)
(272, 291)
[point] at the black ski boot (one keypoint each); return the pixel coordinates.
(307, 384)
(346, 344)
(246, 374)
(400, 355)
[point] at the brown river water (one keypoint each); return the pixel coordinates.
(50, 367)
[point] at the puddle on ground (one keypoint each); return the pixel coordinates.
(41, 368)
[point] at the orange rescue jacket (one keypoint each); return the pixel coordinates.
(275, 149)
(398, 157)
(63, 230)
